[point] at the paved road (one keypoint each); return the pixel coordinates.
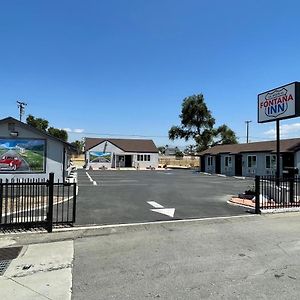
(253, 257)
(122, 196)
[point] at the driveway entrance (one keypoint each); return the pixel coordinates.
(115, 197)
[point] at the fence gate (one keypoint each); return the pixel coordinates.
(37, 203)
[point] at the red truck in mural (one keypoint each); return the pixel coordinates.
(10, 162)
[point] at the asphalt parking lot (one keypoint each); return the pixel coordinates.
(122, 197)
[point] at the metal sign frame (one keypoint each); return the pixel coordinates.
(277, 118)
(296, 100)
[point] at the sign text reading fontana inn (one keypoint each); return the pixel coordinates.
(279, 103)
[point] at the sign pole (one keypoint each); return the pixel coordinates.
(277, 152)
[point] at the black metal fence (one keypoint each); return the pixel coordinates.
(37, 203)
(274, 193)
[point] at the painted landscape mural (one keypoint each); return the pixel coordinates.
(102, 157)
(22, 155)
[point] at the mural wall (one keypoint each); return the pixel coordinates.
(22, 155)
(100, 157)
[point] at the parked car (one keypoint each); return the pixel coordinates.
(10, 162)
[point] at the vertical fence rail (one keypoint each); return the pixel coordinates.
(257, 194)
(50, 201)
(31, 203)
(74, 202)
(276, 193)
(1, 200)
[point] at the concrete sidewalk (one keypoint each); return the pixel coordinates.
(41, 271)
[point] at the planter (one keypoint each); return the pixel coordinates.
(246, 196)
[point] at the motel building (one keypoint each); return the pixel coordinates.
(107, 153)
(29, 153)
(250, 159)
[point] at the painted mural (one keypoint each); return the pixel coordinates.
(100, 157)
(22, 155)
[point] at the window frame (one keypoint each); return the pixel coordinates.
(228, 159)
(252, 166)
(274, 163)
(209, 160)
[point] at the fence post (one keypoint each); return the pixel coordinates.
(257, 194)
(74, 201)
(292, 181)
(50, 202)
(1, 200)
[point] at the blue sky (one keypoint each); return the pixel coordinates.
(123, 67)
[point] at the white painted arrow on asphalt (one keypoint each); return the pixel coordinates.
(161, 210)
(165, 211)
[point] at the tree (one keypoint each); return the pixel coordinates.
(224, 136)
(178, 154)
(190, 150)
(42, 124)
(79, 146)
(58, 133)
(161, 149)
(38, 123)
(198, 123)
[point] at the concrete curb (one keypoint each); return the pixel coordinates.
(250, 208)
(280, 210)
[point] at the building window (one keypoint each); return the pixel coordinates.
(270, 161)
(227, 161)
(251, 161)
(145, 157)
(140, 157)
(209, 160)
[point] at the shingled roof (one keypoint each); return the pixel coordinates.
(127, 145)
(288, 145)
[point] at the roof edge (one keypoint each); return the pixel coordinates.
(38, 131)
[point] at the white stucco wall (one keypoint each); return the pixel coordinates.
(108, 147)
(153, 163)
(115, 152)
(260, 168)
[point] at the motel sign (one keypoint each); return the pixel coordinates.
(280, 103)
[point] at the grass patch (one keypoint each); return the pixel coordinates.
(35, 159)
(2, 151)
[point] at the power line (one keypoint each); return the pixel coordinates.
(152, 136)
(117, 134)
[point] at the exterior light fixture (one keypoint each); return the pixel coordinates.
(14, 133)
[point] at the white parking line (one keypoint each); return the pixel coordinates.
(90, 178)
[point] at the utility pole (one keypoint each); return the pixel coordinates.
(21, 106)
(247, 122)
